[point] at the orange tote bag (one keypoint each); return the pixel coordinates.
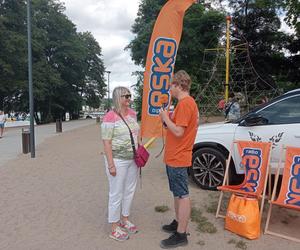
(243, 217)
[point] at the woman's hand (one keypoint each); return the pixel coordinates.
(112, 170)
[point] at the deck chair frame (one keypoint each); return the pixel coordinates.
(226, 181)
(267, 230)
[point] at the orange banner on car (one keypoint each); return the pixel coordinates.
(290, 194)
(160, 62)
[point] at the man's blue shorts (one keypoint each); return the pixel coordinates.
(178, 181)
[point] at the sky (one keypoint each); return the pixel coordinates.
(110, 23)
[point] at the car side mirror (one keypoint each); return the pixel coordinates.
(254, 120)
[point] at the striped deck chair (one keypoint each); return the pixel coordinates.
(289, 195)
(255, 158)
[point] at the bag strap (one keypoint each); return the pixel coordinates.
(131, 136)
(132, 142)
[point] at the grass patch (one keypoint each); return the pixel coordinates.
(203, 225)
(231, 241)
(212, 207)
(201, 242)
(284, 221)
(214, 195)
(161, 209)
(196, 214)
(238, 244)
(293, 216)
(241, 245)
(213, 203)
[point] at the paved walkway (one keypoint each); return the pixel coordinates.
(58, 201)
(11, 143)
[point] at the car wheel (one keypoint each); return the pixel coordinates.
(208, 168)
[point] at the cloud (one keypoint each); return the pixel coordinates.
(110, 23)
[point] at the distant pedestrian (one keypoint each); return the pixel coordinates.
(221, 104)
(120, 166)
(2, 122)
(181, 133)
(232, 108)
(264, 99)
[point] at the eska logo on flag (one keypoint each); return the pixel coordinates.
(293, 196)
(252, 159)
(164, 53)
(162, 50)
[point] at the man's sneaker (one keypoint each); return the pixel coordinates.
(171, 228)
(119, 235)
(129, 227)
(175, 240)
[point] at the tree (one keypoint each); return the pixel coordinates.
(258, 21)
(138, 89)
(67, 66)
(13, 51)
(202, 29)
(94, 85)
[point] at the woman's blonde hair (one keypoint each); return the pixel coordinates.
(117, 95)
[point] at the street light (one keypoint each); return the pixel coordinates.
(108, 97)
(31, 106)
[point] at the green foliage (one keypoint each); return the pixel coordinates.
(238, 244)
(274, 54)
(161, 209)
(203, 225)
(202, 28)
(67, 66)
(259, 22)
(138, 89)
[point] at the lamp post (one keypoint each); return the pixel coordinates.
(108, 96)
(31, 106)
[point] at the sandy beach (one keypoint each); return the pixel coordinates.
(58, 201)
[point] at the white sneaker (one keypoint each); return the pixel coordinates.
(119, 235)
(129, 227)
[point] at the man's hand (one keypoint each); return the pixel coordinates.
(164, 115)
(178, 131)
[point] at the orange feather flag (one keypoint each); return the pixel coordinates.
(160, 62)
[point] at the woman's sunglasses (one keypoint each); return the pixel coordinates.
(128, 96)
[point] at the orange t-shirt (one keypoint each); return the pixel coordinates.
(178, 150)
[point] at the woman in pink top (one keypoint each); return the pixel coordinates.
(120, 167)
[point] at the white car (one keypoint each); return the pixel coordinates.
(277, 121)
(94, 115)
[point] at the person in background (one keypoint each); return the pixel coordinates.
(180, 137)
(2, 122)
(264, 99)
(232, 108)
(221, 105)
(120, 167)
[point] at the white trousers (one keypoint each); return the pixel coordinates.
(121, 188)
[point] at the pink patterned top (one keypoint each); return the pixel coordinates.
(113, 128)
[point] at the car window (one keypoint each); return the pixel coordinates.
(283, 112)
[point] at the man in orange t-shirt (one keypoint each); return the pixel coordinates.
(181, 133)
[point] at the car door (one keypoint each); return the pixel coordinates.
(282, 127)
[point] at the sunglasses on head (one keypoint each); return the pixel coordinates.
(127, 96)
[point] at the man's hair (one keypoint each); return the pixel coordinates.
(182, 79)
(117, 93)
